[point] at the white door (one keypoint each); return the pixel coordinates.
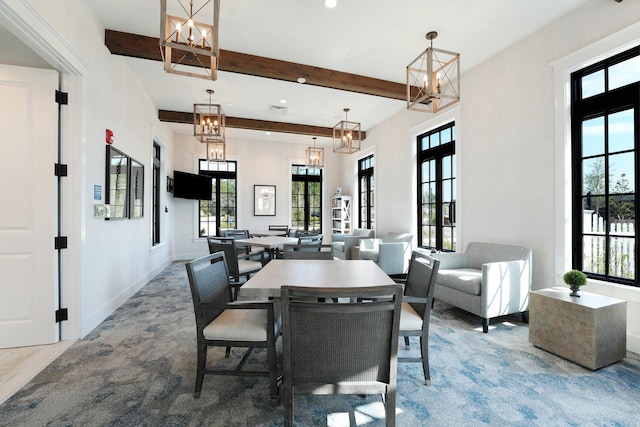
(28, 206)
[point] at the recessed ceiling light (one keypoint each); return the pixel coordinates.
(283, 101)
(330, 3)
(301, 80)
(267, 133)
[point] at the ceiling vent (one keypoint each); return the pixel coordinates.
(277, 109)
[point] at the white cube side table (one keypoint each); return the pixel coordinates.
(590, 330)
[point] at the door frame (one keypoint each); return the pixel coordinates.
(22, 20)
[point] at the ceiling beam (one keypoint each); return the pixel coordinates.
(261, 125)
(144, 47)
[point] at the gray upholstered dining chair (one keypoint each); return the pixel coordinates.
(325, 362)
(240, 266)
(307, 251)
(416, 306)
(221, 322)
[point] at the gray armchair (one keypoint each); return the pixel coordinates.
(342, 243)
(487, 279)
(391, 252)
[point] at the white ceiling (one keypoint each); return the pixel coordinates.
(374, 38)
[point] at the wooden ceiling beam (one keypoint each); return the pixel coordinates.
(261, 125)
(144, 47)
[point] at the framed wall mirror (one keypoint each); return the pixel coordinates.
(117, 179)
(264, 200)
(136, 188)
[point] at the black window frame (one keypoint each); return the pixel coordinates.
(155, 195)
(366, 192)
(437, 153)
(603, 105)
(306, 175)
(217, 176)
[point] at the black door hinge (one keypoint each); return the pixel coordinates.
(60, 169)
(61, 242)
(62, 98)
(62, 314)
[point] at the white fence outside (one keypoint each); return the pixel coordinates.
(622, 245)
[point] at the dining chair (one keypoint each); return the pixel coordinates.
(311, 239)
(283, 228)
(353, 347)
(240, 266)
(416, 306)
(242, 249)
(306, 233)
(307, 251)
(222, 322)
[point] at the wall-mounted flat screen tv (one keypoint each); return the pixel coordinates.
(191, 186)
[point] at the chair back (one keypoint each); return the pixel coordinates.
(284, 228)
(238, 234)
(228, 246)
(342, 347)
(209, 283)
(421, 281)
(315, 239)
(235, 234)
(305, 233)
(307, 251)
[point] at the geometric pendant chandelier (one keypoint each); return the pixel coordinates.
(433, 79)
(346, 136)
(314, 157)
(209, 128)
(189, 41)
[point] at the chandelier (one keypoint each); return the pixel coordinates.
(314, 157)
(216, 152)
(190, 47)
(346, 136)
(433, 79)
(209, 127)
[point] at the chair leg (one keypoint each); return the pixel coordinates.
(201, 364)
(273, 373)
(390, 408)
(485, 325)
(227, 352)
(288, 407)
(424, 353)
(406, 343)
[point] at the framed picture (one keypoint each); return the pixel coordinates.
(264, 200)
(136, 188)
(117, 180)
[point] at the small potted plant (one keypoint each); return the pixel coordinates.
(574, 279)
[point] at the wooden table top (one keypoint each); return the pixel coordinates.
(269, 242)
(313, 273)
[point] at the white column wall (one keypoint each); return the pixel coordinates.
(115, 258)
(260, 162)
(507, 150)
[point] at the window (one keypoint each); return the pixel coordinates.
(437, 189)
(366, 191)
(306, 198)
(605, 128)
(221, 210)
(155, 202)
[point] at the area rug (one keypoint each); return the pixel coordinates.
(137, 368)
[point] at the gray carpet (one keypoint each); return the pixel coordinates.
(137, 369)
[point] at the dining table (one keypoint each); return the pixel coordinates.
(272, 244)
(267, 233)
(313, 273)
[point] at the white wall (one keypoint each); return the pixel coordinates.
(259, 163)
(113, 259)
(510, 188)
